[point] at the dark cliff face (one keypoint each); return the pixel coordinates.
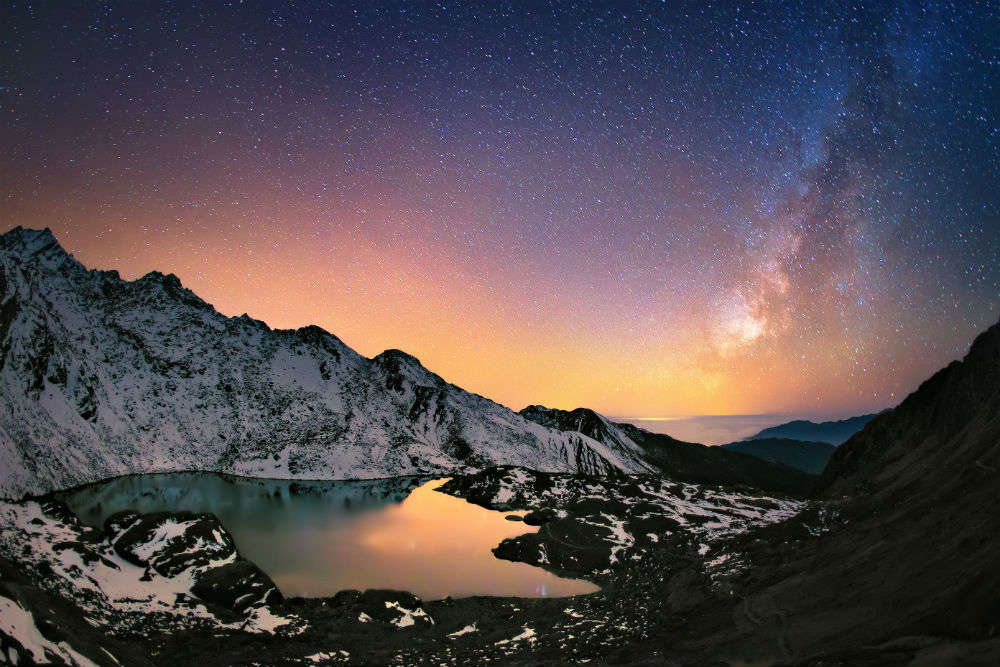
(909, 548)
(581, 420)
(947, 427)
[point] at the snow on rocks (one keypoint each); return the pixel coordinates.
(327, 657)
(591, 525)
(463, 631)
(184, 574)
(407, 617)
(393, 609)
(527, 635)
(17, 626)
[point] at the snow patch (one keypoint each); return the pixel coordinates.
(18, 623)
(409, 616)
(464, 631)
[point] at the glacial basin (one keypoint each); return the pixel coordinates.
(317, 538)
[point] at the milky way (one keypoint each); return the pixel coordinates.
(645, 208)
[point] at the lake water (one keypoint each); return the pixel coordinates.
(317, 538)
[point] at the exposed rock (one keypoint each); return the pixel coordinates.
(539, 516)
(239, 585)
(151, 571)
(594, 526)
(118, 522)
(171, 542)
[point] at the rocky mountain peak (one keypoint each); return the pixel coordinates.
(168, 280)
(584, 420)
(144, 376)
(399, 365)
(27, 243)
(28, 238)
(394, 356)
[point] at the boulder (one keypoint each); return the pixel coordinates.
(239, 586)
(171, 542)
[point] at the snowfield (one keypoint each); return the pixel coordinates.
(115, 594)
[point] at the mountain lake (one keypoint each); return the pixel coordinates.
(317, 538)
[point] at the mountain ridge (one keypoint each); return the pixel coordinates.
(833, 432)
(680, 460)
(905, 554)
(103, 377)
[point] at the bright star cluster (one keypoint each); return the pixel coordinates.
(644, 208)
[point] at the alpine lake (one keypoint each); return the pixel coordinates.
(317, 538)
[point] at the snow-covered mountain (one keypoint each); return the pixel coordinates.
(102, 377)
(687, 461)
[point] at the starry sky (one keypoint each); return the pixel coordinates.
(649, 209)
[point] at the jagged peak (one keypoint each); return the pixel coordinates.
(557, 412)
(396, 364)
(31, 241)
(171, 286)
(582, 420)
(315, 334)
(398, 356)
(24, 233)
(165, 279)
(259, 324)
(587, 412)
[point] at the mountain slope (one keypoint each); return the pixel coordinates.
(833, 432)
(809, 457)
(102, 377)
(906, 555)
(686, 461)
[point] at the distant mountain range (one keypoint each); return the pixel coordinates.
(810, 457)
(102, 377)
(833, 432)
(677, 459)
(800, 444)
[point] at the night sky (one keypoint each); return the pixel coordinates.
(648, 209)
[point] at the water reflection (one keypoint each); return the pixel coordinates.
(316, 538)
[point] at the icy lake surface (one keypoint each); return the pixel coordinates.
(317, 538)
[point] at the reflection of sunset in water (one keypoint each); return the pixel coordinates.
(435, 523)
(436, 545)
(317, 538)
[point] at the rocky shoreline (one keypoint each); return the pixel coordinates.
(169, 587)
(680, 567)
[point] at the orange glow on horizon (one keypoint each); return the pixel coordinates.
(498, 329)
